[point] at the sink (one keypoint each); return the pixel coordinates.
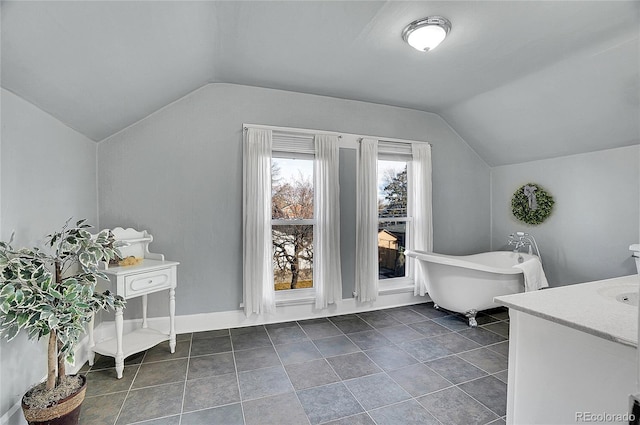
(625, 293)
(630, 298)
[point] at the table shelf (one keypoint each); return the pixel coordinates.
(132, 342)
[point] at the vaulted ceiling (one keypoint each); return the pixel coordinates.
(518, 80)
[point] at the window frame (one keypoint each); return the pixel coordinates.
(400, 284)
(302, 295)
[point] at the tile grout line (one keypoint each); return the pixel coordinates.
(404, 401)
(342, 380)
(451, 331)
(457, 386)
(452, 384)
(481, 403)
(474, 379)
(235, 367)
(129, 390)
(464, 382)
(186, 379)
(411, 397)
(285, 369)
(391, 344)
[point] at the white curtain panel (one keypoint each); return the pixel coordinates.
(420, 209)
(367, 222)
(259, 292)
(327, 275)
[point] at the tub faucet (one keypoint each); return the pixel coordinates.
(522, 239)
(517, 244)
(516, 249)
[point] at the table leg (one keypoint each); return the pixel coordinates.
(144, 312)
(172, 319)
(119, 351)
(90, 353)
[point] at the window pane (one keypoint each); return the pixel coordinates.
(391, 246)
(392, 188)
(291, 188)
(292, 256)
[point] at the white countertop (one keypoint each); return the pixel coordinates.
(588, 307)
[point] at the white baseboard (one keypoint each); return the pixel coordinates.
(236, 318)
(229, 319)
(10, 417)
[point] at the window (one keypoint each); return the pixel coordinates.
(393, 203)
(292, 221)
(392, 218)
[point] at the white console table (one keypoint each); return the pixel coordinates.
(152, 274)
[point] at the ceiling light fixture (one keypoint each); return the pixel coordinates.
(425, 34)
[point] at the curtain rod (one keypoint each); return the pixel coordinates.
(291, 130)
(305, 131)
(386, 139)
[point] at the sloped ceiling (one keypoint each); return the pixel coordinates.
(518, 80)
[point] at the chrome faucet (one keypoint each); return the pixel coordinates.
(521, 240)
(518, 243)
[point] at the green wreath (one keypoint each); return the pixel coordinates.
(531, 204)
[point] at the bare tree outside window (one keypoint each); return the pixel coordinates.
(292, 223)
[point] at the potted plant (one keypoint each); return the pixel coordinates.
(51, 293)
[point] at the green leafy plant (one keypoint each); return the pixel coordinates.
(520, 205)
(53, 293)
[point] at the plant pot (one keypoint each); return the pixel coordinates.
(64, 412)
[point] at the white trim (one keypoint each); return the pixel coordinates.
(406, 285)
(291, 155)
(295, 296)
(348, 140)
(491, 214)
(236, 318)
(301, 131)
(4, 419)
(391, 285)
(295, 301)
(399, 281)
(293, 222)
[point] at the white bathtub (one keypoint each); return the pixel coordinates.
(468, 283)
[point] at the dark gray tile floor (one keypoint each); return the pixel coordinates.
(406, 365)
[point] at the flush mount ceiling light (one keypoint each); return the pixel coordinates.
(425, 34)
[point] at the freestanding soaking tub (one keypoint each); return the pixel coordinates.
(467, 284)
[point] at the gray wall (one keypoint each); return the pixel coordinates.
(48, 174)
(595, 217)
(178, 174)
(348, 158)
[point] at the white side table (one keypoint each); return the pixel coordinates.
(153, 274)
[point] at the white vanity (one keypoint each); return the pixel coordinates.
(151, 274)
(572, 353)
